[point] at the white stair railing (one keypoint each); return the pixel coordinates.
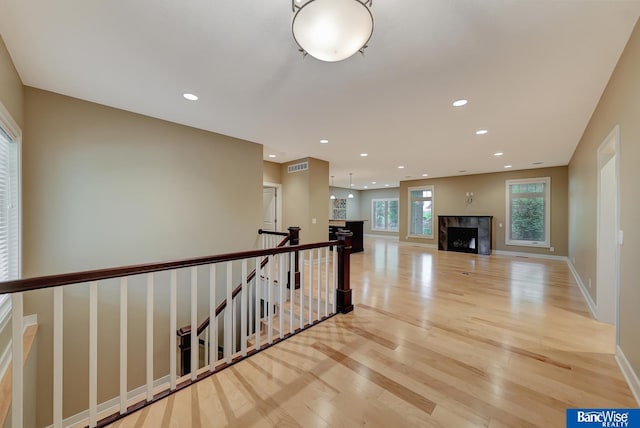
(250, 320)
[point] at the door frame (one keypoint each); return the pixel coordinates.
(609, 148)
(278, 203)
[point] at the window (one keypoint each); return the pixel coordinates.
(421, 212)
(9, 203)
(384, 215)
(528, 212)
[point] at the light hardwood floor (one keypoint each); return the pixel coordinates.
(436, 339)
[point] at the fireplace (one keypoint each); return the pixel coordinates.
(469, 234)
(462, 239)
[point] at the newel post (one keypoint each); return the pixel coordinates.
(344, 272)
(294, 232)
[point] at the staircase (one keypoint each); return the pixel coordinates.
(248, 301)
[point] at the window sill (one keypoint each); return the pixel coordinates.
(420, 237)
(528, 244)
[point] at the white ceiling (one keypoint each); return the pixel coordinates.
(532, 70)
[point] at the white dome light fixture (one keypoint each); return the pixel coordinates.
(332, 30)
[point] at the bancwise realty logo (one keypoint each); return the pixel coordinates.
(603, 418)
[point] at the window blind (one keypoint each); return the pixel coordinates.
(9, 204)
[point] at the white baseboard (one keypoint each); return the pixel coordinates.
(528, 255)
(418, 244)
(629, 374)
(373, 235)
(587, 297)
(109, 407)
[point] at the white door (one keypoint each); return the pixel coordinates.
(607, 253)
(270, 208)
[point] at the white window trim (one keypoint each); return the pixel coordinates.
(547, 215)
(11, 128)
(433, 215)
(373, 222)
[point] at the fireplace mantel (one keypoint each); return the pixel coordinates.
(482, 223)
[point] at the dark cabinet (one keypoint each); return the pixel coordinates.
(354, 226)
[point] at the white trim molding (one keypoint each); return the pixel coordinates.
(373, 235)
(528, 255)
(629, 374)
(587, 297)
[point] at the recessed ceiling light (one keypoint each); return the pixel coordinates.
(353, 185)
(386, 185)
(190, 97)
(272, 156)
(373, 182)
(459, 103)
(324, 141)
(425, 175)
(401, 167)
(481, 131)
(364, 155)
(508, 166)
(366, 187)
(498, 154)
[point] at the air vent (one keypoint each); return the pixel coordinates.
(297, 167)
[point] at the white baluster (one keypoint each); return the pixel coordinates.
(281, 285)
(150, 284)
(270, 308)
(213, 320)
(326, 281)
(227, 314)
(123, 345)
(335, 280)
(17, 396)
(319, 283)
(292, 287)
(243, 310)
(93, 354)
(195, 343)
(58, 361)
(173, 322)
(310, 285)
(258, 293)
(301, 290)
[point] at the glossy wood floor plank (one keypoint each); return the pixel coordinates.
(436, 340)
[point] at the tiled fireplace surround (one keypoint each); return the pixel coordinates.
(481, 223)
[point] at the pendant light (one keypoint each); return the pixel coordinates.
(350, 185)
(333, 196)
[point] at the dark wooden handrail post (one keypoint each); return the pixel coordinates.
(294, 233)
(185, 354)
(344, 271)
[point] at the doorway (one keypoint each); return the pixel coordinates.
(608, 223)
(271, 206)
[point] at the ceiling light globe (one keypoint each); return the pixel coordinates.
(332, 30)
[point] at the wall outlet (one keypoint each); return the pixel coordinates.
(314, 220)
(552, 249)
(589, 282)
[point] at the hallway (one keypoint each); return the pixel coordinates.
(435, 339)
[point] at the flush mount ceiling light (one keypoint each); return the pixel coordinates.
(324, 141)
(332, 30)
(190, 97)
(460, 103)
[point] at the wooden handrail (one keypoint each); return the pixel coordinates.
(50, 281)
(271, 232)
(186, 330)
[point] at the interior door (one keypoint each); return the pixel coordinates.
(270, 208)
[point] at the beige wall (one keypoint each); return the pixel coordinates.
(489, 199)
(10, 86)
(619, 105)
(366, 196)
(271, 172)
(305, 196)
(105, 187)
